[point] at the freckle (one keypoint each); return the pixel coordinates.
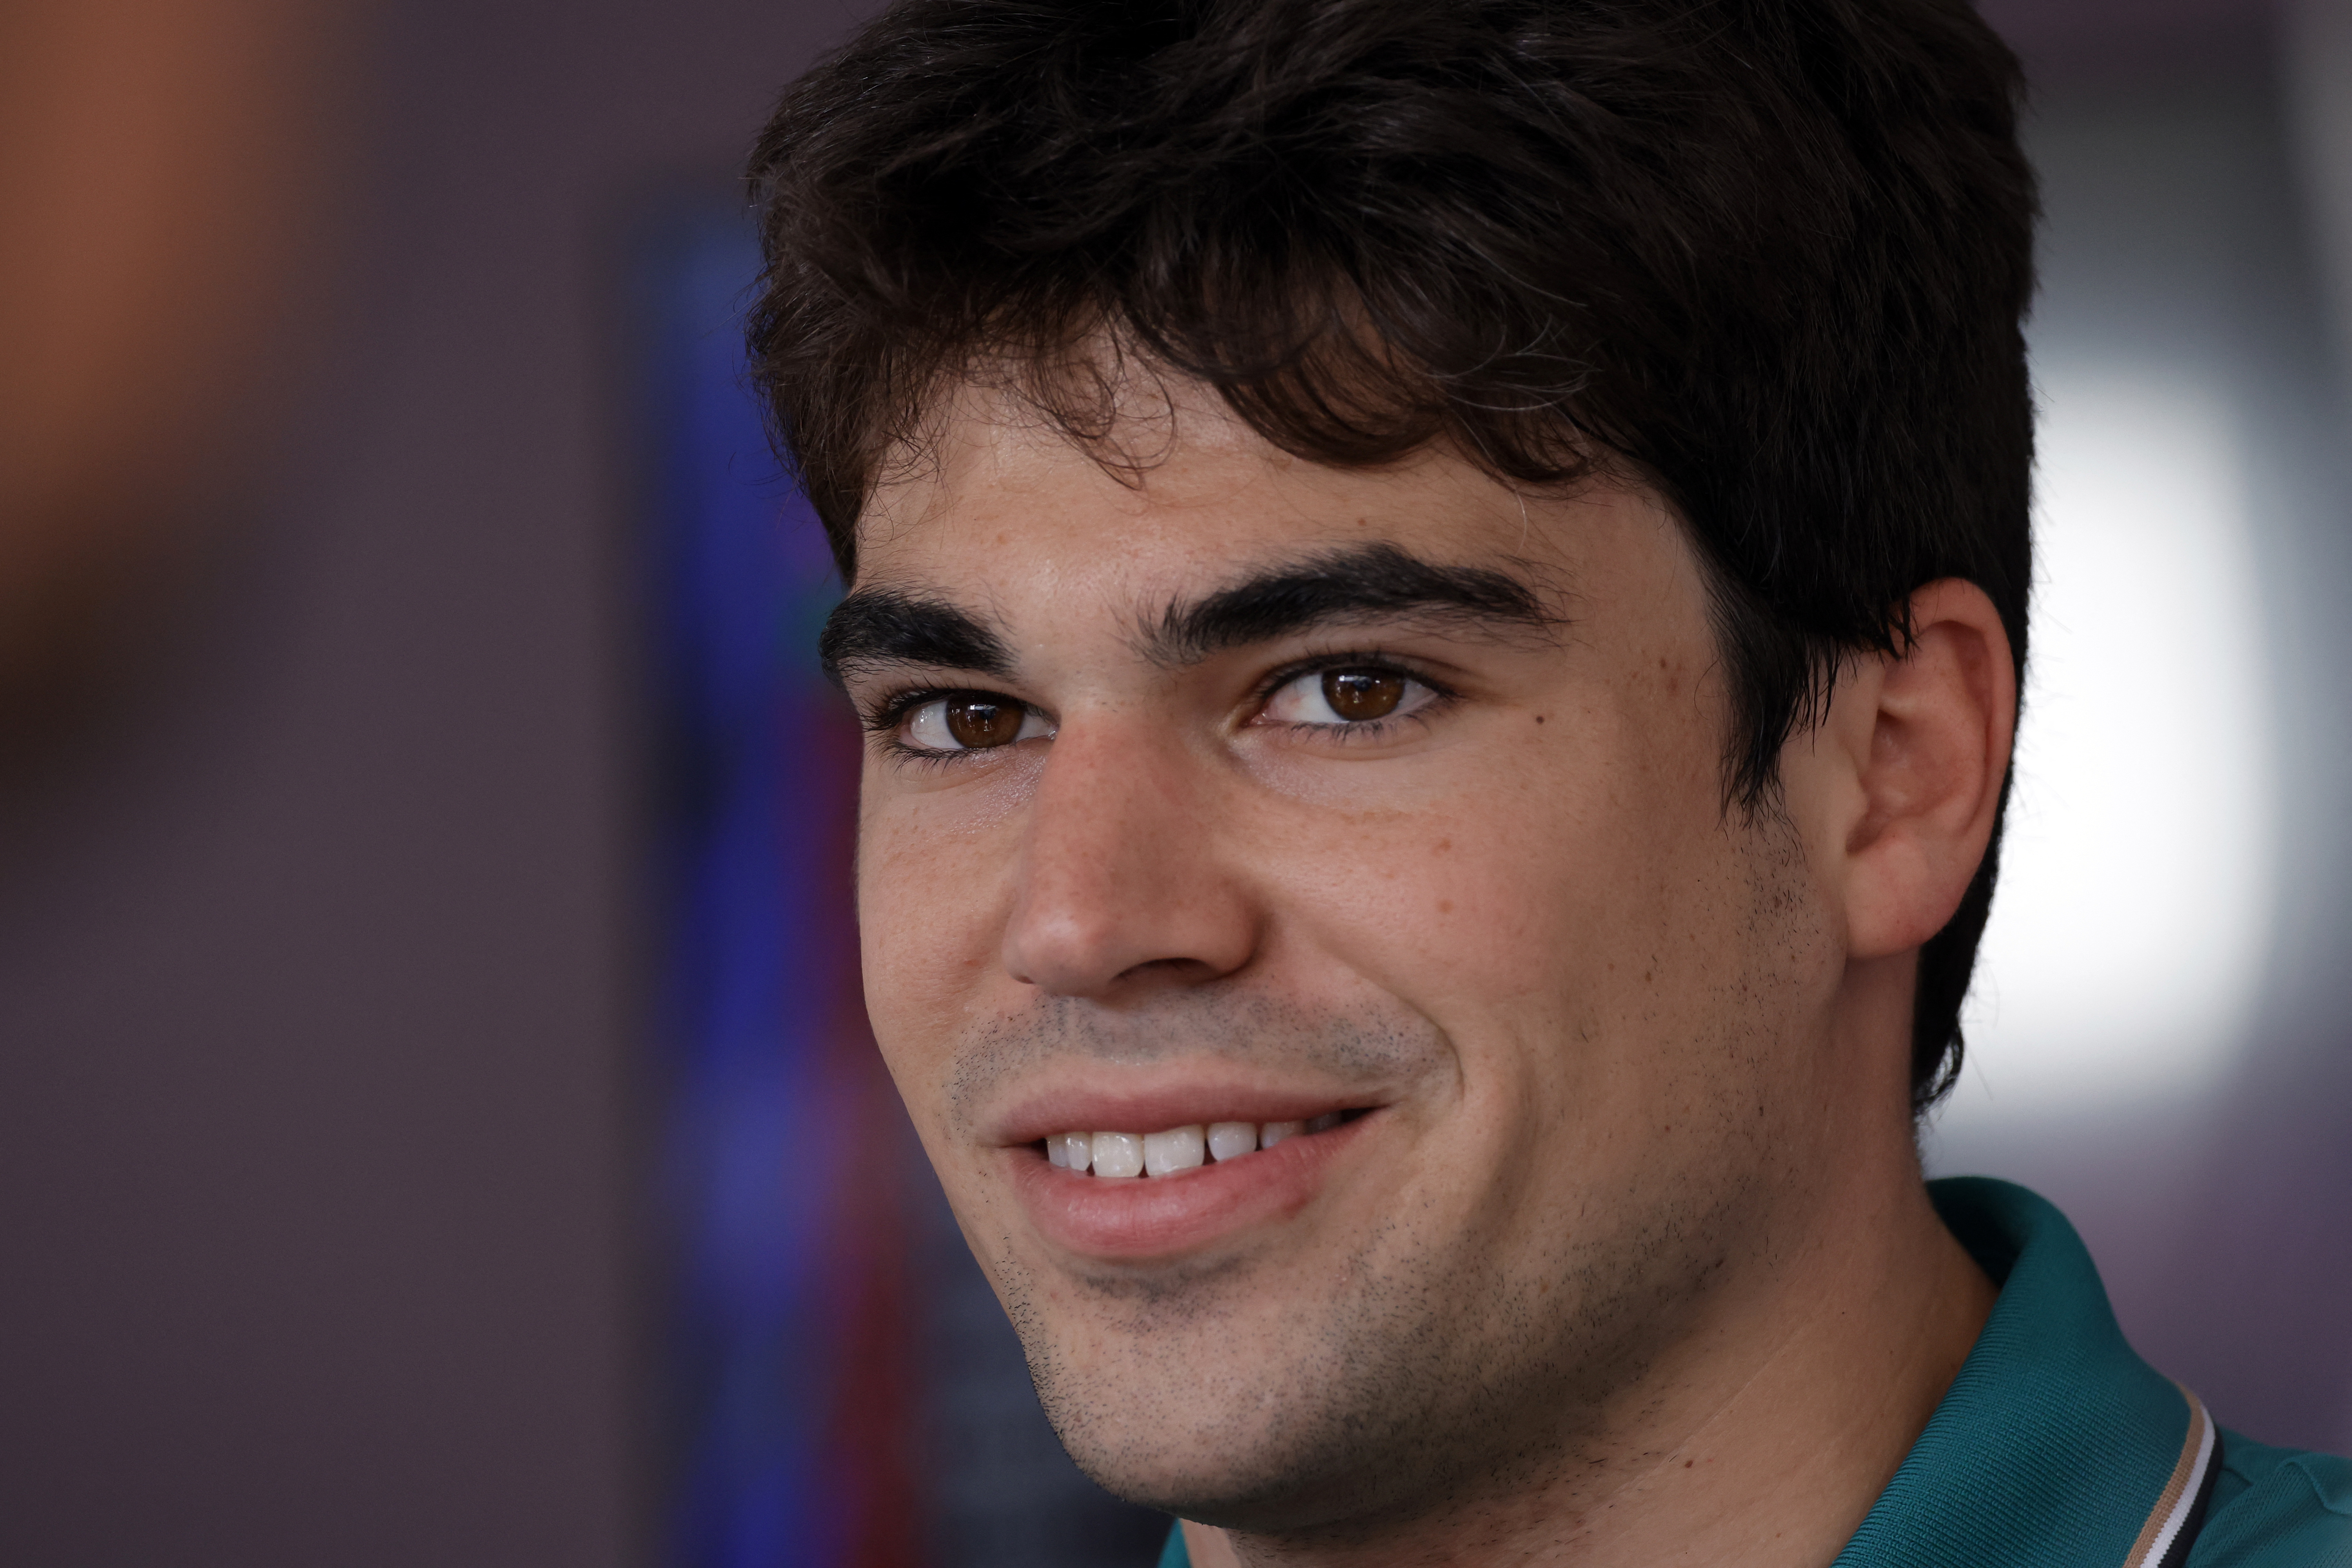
(1443, 845)
(1445, 906)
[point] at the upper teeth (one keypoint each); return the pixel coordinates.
(1177, 1148)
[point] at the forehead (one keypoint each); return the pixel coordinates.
(1179, 490)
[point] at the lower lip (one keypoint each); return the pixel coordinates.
(1157, 1217)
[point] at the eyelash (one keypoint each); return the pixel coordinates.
(1441, 695)
(885, 718)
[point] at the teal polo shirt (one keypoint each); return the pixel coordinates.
(2057, 1447)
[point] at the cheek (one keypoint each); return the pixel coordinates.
(1565, 915)
(1533, 865)
(930, 893)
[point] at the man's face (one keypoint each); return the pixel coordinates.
(1255, 791)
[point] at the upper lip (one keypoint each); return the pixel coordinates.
(1042, 1112)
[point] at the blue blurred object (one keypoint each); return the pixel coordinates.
(777, 1277)
(845, 1389)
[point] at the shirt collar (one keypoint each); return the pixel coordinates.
(2056, 1446)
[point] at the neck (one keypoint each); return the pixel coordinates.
(1763, 1440)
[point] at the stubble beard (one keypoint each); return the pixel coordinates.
(1443, 1379)
(1433, 1384)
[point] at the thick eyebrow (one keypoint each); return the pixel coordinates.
(884, 625)
(1362, 583)
(875, 627)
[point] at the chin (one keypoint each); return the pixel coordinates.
(1206, 1480)
(1325, 1457)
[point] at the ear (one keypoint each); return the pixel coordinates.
(1904, 777)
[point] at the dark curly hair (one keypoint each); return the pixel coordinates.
(1771, 256)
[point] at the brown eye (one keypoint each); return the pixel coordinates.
(977, 723)
(971, 721)
(1349, 700)
(1357, 695)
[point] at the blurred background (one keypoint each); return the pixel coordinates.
(435, 1121)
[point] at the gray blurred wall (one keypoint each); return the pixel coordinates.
(2198, 179)
(318, 1219)
(320, 1118)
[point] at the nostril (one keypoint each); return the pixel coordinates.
(1180, 969)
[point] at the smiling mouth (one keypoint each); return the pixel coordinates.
(1119, 1156)
(1137, 1197)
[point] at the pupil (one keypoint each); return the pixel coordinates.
(977, 723)
(1360, 694)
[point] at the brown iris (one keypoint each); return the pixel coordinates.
(1360, 694)
(980, 722)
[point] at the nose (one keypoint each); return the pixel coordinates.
(1123, 885)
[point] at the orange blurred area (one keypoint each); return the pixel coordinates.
(161, 165)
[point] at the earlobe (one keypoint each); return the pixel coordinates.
(1928, 737)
